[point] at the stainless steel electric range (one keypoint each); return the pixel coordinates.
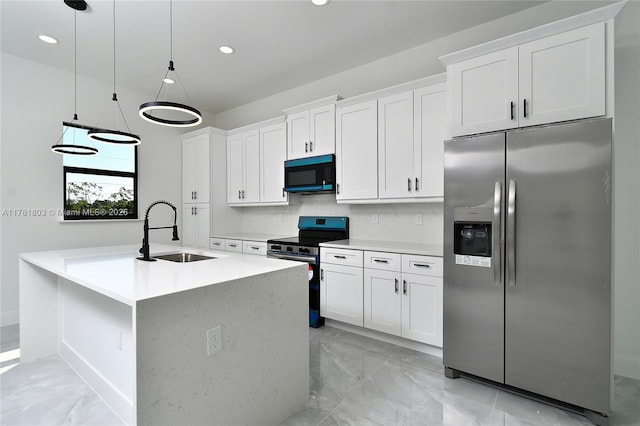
(312, 230)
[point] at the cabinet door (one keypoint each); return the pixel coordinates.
(382, 301)
(189, 234)
(196, 169)
(430, 132)
(298, 135)
(357, 152)
(235, 169)
(562, 77)
(482, 91)
(203, 170)
(188, 170)
(322, 130)
(203, 221)
(341, 293)
(422, 308)
(396, 146)
(251, 188)
(273, 153)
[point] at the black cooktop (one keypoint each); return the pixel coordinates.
(313, 230)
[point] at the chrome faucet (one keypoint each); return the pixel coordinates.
(145, 240)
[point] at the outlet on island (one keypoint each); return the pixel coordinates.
(214, 340)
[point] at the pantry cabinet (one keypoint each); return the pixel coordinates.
(273, 153)
(357, 151)
(243, 168)
(555, 78)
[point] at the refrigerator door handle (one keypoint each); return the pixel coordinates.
(497, 233)
(511, 233)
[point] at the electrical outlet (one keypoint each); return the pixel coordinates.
(418, 218)
(214, 340)
(374, 218)
(280, 217)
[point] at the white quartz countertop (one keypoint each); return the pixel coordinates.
(115, 272)
(252, 236)
(387, 246)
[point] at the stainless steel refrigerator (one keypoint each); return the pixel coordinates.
(527, 262)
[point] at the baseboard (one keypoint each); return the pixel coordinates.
(9, 318)
(626, 366)
(115, 399)
(388, 338)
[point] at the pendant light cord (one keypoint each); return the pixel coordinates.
(114, 48)
(171, 30)
(75, 65)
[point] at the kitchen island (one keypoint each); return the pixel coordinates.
(138, 332)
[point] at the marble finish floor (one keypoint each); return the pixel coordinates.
(355, 380)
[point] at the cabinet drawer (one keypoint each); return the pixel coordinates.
(382, 260)
(217, 244)
(422, 265)
(341, 256)
(254, 247)
(233, 245)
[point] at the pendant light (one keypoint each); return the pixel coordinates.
(115, 136)
(72, 148)
(150, 110)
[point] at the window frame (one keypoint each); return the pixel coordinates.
(101, 172)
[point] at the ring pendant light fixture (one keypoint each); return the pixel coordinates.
(115, 136)
(73, 149)
(149, 110)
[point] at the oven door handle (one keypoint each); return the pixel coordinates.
(309, 259)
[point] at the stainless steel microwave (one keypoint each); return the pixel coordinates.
(311, 174)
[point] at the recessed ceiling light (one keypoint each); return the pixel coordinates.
(168, 80)
(227, 49)
(48, 39)
(319, 2)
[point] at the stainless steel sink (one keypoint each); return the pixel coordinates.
(183, 257)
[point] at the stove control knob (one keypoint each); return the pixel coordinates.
(290, 249)
(304, 250)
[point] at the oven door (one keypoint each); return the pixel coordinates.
(315, 320)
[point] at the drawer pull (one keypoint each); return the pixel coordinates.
(422, 265)
(255, 248)
(381, 260)
(339, 257)
(216, 244)
(233, 245)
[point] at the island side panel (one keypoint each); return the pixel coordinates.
(38, 312)
(260, 376)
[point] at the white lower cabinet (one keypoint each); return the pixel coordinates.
(341, 289)
(402, 294)
(195, 225)
(422, 308)
(382, 301)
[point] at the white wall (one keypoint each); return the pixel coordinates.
(397, 222)
(35, 101)
(626, 261)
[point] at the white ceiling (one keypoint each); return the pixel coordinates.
(279, 44)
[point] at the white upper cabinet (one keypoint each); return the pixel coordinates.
(357, 151)
(555, 78)
(311, 129)
(243, 168)
(562, 77)
(484, 93)
(195, 169)
(273, 153)
(396, 148)
(430, 128)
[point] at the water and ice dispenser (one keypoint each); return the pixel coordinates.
(472, 236)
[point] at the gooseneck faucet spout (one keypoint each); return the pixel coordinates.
(144, 250)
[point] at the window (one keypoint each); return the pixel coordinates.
(103, 186)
